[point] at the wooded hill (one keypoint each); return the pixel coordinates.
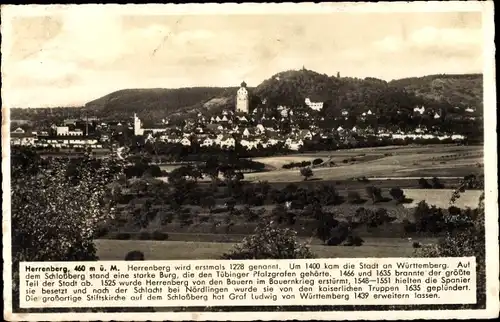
(290, 88)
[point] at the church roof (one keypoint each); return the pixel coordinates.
(243, 84)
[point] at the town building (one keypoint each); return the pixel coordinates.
(317, 106)
(242, 100)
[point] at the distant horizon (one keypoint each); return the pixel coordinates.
(52, 56)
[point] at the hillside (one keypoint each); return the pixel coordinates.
(458, 90)
(292, 87)
(441, 92)
(152, 103)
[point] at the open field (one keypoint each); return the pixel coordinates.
(441, 198)
(419, 161)
(398, 162)
(185, 250)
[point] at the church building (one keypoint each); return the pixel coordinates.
(242, 101)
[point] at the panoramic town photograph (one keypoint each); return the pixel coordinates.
(249, 136)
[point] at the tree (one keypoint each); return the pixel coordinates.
(436, 184)
(208, 202)
(424, 184)
(325, 224)
(374, 193)
(306, 173)
(56, 213)
(354, 197)
(134, 255)
(270, 242)
(279, 214)
(398, 194)
(230, 204)
(317, 161)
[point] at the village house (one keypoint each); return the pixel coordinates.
(419, 110)
(249, 144)
(304, 135)
(247, 132)
(317, 106)
(208, 141)
(293, 144)
(21, 137)
(227, 142)
(260, 128)
(185, 141)
(242, 118)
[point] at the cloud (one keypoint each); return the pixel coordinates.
(446, 39)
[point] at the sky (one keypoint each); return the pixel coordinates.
(72, 57)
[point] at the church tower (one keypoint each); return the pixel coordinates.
(137, 126)
(242, 103)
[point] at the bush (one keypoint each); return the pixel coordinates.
(423, 184)
(353, 240)
(339, 234)
(101, 232)
(306, 173)
(397, 194)
(417, 245)
(428, 219)
(436, 184)
(374, 193)
(270, 242)
(158, 235)
(144, 235)
(353, 197)
(325, 224)
(409, 227)
(317, 161)
(123, 236)
(371, 218)
(218, 210)
(135, 255)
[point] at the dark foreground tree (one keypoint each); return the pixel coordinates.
(57, 209)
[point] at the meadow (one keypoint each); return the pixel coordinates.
(189, 250)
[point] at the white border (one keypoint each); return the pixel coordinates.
(490, 156)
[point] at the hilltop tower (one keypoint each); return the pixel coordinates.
(137, 126)
(242, 102)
